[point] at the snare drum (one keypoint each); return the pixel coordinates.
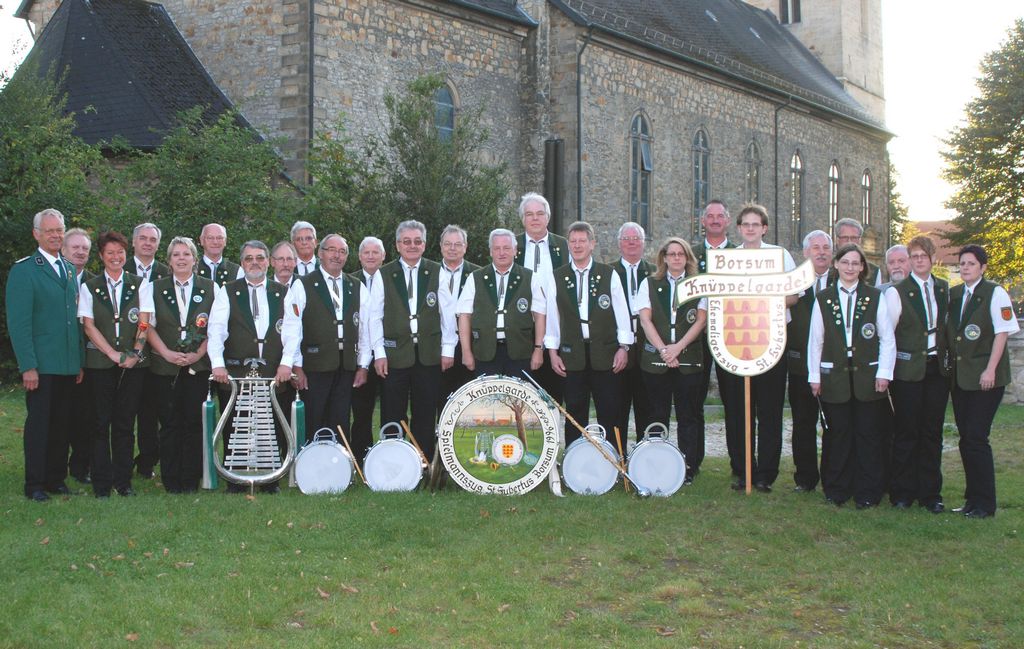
(656, 463)
(393, 464)
(585, 469)
(323, 465)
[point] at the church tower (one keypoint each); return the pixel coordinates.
(846, 36)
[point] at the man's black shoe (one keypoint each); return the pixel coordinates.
(38, 495)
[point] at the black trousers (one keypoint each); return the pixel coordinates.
(117, 394)
(417, 386)
(181, 429)
(452, 379)
(920, 410)
(974, 411)
(503, 365)
(81, 428)
(804, 407)
(45, 438)
(633, 395)
(364, 404)
(328, 402)
(579, 386)
(684, 391)
(147, 422)
(851, 462)
(767, 392)
(730, 389)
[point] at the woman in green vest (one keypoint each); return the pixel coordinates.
(672, 356)
(980, 320)
(115, 308)
(850, 357)
(180, 366)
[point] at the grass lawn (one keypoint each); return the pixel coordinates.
(707, 567)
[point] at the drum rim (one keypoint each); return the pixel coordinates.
(654, 444)
(408, 449)
(313, 446)
(584, 444)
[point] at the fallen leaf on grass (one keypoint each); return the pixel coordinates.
(484, 513)
(148, 555)
(250, 497)
(374, 627)
(569, 616)
(184, 564)
(91, 566)
(392, 630)
(45, 541)
(504, 607)
(322, 593)
(118, 557)
(270, 522)
(290, 525)
(131, 544)
(40, 522)
(664, 631)
(166, 551)
(349, 589)
(295, 625)
(132, 637)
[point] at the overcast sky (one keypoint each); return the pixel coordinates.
(932, 50)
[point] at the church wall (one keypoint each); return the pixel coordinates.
(619, 83)
(368, 48)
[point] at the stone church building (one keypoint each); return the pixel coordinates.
(615, 109)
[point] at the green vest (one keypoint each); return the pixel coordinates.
(165, 306)
(643, 269)
(319, 345)
(103, 318)
(970, 339)
(558, 248)
(863, 366)
(227, 271)
(603, 331)
(401, 347)
(660, 296)
(798, 329)
(518, 314)
(912, 329)
(700, 253)
(242, 342)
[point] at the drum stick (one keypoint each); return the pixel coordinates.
(618, 441)
(640, 490)
(408, 432)
(354, 460)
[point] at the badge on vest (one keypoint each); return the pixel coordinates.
(604, 301)
(431, 299)
(868, 331)
(691, 316)
(522, 305)
(279, 325)
(972, 332)
(794, 353)
(133, 315)
(903, 356)
(202, 319)
(197, 299)
(648, 347)
(476, 334)
(313, 350)
(566, 349)
(355, 318)
(393, 344)
(826, 368)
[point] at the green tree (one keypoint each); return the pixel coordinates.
(217, 172)
(441, 180)
(42, 164)
(350, 193)
(898, 213)
(985, 161)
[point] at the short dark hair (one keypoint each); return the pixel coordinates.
(111, 236)
(852, 247)
(752, 208)
(976, 250)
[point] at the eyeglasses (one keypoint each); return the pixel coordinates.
(450, 244)
(51, 231)
(335, 251)
(305, 238)
(849, 263)
(631, 239)
(251, 258)
(411, 242)
(757, 224)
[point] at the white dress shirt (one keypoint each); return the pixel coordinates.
(895, 307)
(86, 305)
(448, 299)
(217, 329)
(883, 329)
(643, 301)
(538, 301)
(295, 306)
(624, 331)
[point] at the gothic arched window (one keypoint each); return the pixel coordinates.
(444, 112)
(641, 166)
(701, 176)
(833, 195)
(796, 194)
(753, 176)
(865, 198)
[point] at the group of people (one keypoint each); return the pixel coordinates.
(130, 352)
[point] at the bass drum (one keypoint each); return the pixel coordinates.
(323, 465)
(393, 464)
(585, 469)
(657, 463)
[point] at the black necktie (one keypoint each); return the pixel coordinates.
(113, 296)
(255, 304)
(632, 280)
(849, 308)
(536, 254)
(579, 288)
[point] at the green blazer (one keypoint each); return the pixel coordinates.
(42, 317)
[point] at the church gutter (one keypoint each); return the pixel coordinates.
(579, 124)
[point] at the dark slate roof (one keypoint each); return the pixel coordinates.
(508, 9)
(729, 36)
(129, 72)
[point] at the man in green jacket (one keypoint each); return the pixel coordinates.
(42, 298)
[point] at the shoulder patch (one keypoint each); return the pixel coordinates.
(22, 259)
(1007, 313)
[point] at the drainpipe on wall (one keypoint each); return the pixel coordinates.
(579, 125)
(310, 130)
(775, 159)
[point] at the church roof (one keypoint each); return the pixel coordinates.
(729, 36)
(129, 72)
